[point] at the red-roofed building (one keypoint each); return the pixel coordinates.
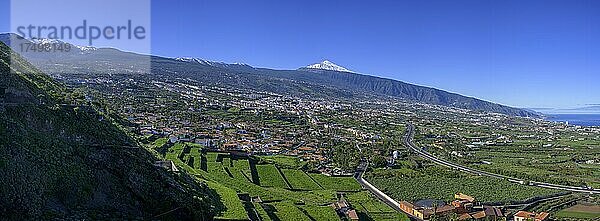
(352, 215)
(407, 207)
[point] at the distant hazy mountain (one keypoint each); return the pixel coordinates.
(322, 79)
(588, 109)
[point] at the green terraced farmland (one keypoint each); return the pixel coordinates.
(288, 211)
(264, 216)
(242, 167)
(336, 183)
(367, 206)
(211, 157)
(321, 213)
(239, 174)
(269, 176)
(242, 164)
(227, 162)
(299, 180)
(195, 153)
(234, 209)
(230, 177)
(216, 168)
(160, 142)
(174, 151)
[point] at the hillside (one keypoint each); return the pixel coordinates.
(60, 159)
(318, 80)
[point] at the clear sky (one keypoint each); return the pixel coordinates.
(523, 53)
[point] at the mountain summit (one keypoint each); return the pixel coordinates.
(329, 66)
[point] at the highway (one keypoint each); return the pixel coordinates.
(408, 141)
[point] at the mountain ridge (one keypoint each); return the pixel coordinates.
(330, 82)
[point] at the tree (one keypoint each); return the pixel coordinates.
(378, 161)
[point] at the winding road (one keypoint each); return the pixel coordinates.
(408, 141)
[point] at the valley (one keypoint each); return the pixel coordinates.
(274, 145)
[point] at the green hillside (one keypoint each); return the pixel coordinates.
(63, 159)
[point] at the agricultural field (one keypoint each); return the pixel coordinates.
(438, 183)
(579, 212)
(261, 212)
(367, 207)
(234, 210)
(269, 176)
(307, 198)
(299, 180)
(544, 152)
(287, 211)
(336, 183)
(321, 213)
(159, 142)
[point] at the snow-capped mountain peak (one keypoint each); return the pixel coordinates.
(195, 60)
(212, 63)
(56, 41)
(10, 38)
(329, 66)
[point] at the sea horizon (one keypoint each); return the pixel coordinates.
(579, 119)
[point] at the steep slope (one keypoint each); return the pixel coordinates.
(60, 160)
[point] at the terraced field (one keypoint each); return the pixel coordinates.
(287, 211)
(324, 213)
(336, 183)
(234, 210)
(291, 194)
(269, 176)
(368, 207)
(299, 180)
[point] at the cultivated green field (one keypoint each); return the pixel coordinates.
(439, 183)
(518, 148)
(336, 183)
(234, 210)
(299, 180)
(288, 211)
(269, 176)
(306, 197)
(261, 212)
(368, 207)
(321, 213)
(583, 212)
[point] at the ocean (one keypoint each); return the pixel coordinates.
(576, 119)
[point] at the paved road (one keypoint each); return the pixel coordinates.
(381, 195)
(408, 138)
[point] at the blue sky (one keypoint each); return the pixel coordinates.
(517, 52)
